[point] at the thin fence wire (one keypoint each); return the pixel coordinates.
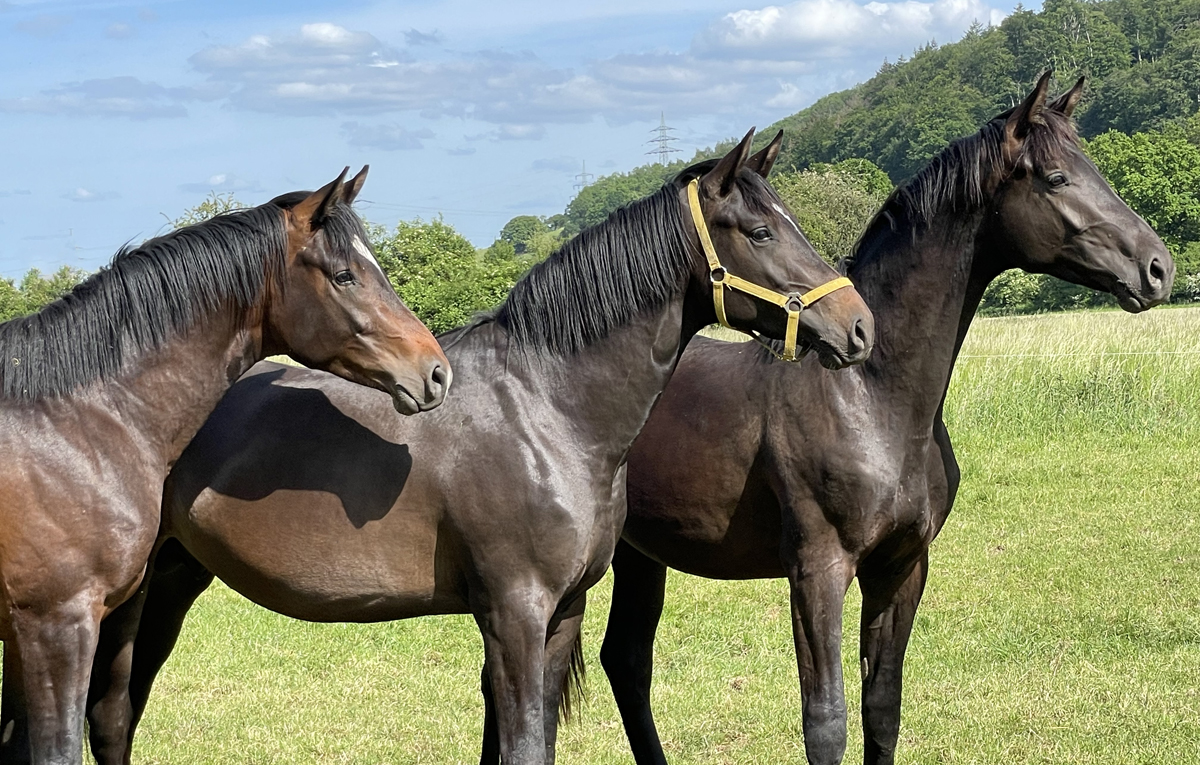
(1078, 353)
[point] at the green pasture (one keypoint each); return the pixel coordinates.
(1061, 623)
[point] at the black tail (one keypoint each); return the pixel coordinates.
(573, 692)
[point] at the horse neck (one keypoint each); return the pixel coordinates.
(606, 390)
(924, 290)
(610, 392)
(167, 393)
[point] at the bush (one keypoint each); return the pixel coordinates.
(440, 275)
(36, 291)
(834, 203)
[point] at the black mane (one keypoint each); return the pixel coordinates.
(600, 280)
(630, 264)
(148, 295)
(957, 177)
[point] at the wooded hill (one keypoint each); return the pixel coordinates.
(1141, 58)
(1139, 119)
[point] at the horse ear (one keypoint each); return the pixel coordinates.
(313, 210)
(354, 185)
(718, 182)
(1066, 103)
(763, 161)
(1029, 113)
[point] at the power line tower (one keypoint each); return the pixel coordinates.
(663, 140)
(583, 179)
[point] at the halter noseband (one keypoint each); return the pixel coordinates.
(793, 302)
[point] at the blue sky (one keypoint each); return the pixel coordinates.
(117, 116)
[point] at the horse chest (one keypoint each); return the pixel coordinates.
(878, 497)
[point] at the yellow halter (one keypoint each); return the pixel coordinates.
(793, 302)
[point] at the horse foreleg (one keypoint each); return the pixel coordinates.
(514, 643)
(562, 659)
(888, 610)
(54, 649)
(173, 582)
(817, 597)
(14, 717)
(627, 655)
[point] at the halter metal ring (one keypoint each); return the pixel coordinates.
(794, 304)
(717, 275)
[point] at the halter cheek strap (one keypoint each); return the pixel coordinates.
(793, 302)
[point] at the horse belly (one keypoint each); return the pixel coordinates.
(299, 553)
(733, 539)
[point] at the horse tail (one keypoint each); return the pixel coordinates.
(573, 692)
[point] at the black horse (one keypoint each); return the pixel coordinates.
(791, 472)
(507, 502)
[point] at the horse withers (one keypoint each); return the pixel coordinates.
(752, 469)
(506, 502)
(103, 389)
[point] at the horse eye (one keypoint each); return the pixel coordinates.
(761, 234)
(1056, 180)
(342, 278)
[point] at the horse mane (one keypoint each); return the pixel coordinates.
(957, 178)
(148, 295)
(631, 263)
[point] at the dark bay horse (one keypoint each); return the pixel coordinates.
(103, 389)
(507, 502)
(751, 469)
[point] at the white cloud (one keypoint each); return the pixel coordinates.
(43, 25)
(221, 183)
(559, 164)
(837, 28)
(118, 31)
(111, 97)
(752, 63)
(388, 137)
(81, 194)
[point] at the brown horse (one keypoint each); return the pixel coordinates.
(104, 388)
(819, 478)
(507, 502)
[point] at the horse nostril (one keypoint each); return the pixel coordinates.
(859, 341)
(1157, 272)
(435, 387)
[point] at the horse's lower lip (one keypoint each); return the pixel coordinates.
(404, 402)
(1129, 300)
(828, 357)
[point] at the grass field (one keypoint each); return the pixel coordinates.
(1061, 623)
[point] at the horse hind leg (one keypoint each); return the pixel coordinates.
(139, 641)
(627, 655)
(108, 708)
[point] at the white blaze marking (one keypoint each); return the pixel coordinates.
(783, 212)
(362, 249)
